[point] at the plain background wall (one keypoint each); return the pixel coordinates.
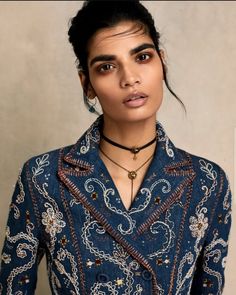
(41, 104)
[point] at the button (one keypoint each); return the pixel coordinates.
(102, 277)
(146, 275)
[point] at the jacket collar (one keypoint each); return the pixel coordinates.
(84, 174)
(84, 154)
(85, 151)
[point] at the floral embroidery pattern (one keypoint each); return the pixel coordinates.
(52, 220)
(198, 224)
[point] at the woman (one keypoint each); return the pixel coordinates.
(123, 211)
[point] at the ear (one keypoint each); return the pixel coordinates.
(162, 53)
(162, 56)
(86, 85)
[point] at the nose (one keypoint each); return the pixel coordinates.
(129, 78)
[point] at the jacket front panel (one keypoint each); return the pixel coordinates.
(173, 239)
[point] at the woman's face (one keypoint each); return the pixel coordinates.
(125, 73)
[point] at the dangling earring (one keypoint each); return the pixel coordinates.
(91, 106)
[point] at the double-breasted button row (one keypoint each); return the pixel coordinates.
(104, 278)
(146, 275)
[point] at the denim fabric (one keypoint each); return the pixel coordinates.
(173, 239)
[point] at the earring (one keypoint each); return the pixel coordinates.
(92, 105)
(89, 105)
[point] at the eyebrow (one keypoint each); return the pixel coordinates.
(111, 57)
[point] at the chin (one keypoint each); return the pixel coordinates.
(137, 118)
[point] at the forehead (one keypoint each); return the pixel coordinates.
(124, 33)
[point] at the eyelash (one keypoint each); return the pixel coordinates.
(101, 68)
(148, 56)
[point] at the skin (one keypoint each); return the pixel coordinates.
(122, 61)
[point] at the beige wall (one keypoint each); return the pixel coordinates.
(41, 103)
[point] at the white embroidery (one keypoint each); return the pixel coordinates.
(199, 224)
(106, 192)
(52, 220)
(41, 162)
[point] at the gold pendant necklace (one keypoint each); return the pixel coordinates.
(132, 174)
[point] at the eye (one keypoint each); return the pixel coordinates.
(144, 57)
(105, 68)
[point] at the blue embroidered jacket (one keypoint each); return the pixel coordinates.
(173, 239)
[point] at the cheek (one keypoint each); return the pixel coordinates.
(106, 90)
(100, 86)
(153, 75)
(104, 95)
(156, 82)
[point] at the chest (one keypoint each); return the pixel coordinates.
(118, 252)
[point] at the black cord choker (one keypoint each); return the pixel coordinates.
(134, 150)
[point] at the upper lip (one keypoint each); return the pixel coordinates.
(134, 95)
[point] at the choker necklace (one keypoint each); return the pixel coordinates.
(132, 174)
(134, 150)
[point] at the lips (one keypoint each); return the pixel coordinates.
(135, 96)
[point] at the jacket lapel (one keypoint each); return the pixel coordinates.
(168, 179)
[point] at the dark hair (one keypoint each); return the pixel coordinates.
(95, 15)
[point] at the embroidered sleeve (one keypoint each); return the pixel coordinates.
(20, 254)
(209, 272)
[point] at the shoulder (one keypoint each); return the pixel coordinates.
(210, 188)
(207, 172)
(48, 161)
(206, 166)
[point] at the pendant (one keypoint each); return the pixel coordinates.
(132, 175)
(134, 150)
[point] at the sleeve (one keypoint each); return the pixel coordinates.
(209, 273)
(21, 251)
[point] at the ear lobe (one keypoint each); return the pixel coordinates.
(90, 92)
(88, 89)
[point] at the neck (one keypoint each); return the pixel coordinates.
(129, 135)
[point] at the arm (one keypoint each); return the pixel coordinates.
(209, 273)
(21, 251)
